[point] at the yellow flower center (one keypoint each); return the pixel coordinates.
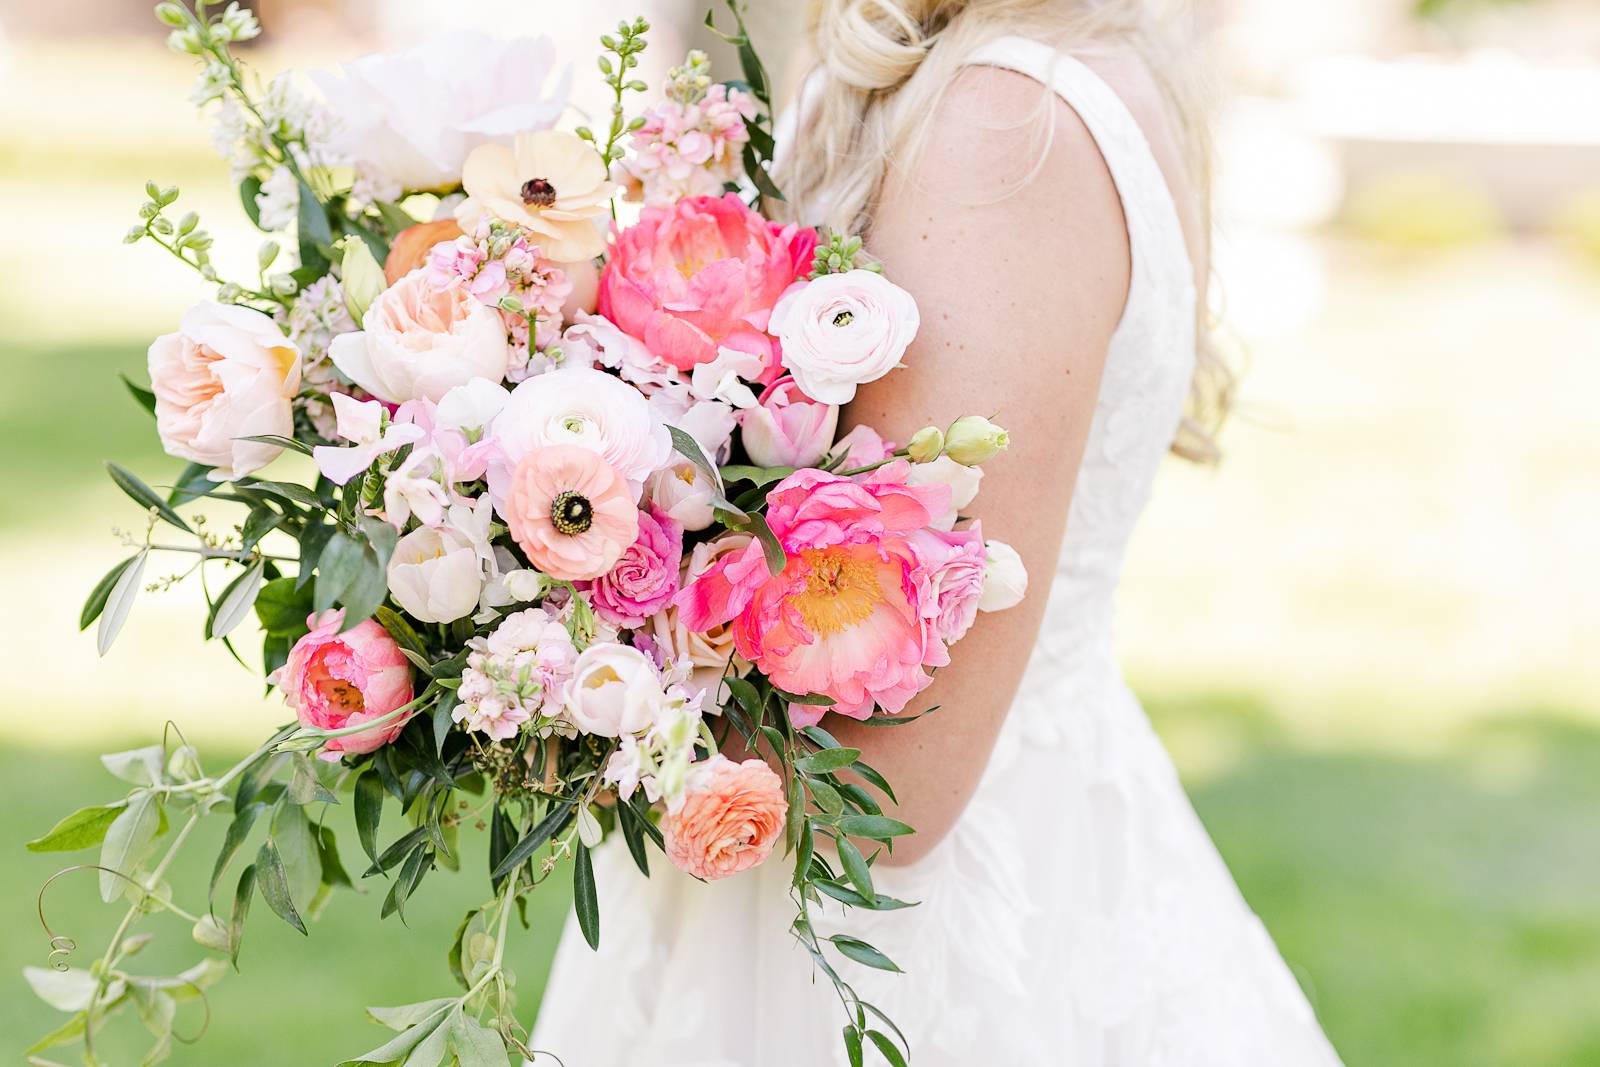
(840, 591)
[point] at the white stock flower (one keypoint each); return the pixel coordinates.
(279, 200)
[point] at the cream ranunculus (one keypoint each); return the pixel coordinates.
(1005, 579)
(418, 342)
(412, 118)
(228, 373)
(435, 574)
(844, 330)
(552, 184)
(614, 690)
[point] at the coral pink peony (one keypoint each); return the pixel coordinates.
(570, 512)
(703, 274)
(730, 819)
(645, 578)
(788, 428)
(845, 616)
(336, 680)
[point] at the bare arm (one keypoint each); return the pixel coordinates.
(1020, 285)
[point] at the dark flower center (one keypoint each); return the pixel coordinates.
(538, 192)
(571, 513)
(844, 318)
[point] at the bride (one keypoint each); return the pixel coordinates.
(1027, 170)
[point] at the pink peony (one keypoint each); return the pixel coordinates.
(645, 578)
(845, 617)
(788, 428)
(702, 274)
(730, 819)
(952, 572)
(335, 680)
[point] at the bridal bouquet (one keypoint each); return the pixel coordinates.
(538, 510)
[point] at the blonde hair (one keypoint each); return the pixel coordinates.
(882, 65)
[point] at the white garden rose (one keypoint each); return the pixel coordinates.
(411, 118)
(963, 482)
(614, 690)
(227, 373)
(1005, 579)
(418, 342)
(585, 407)
(435, 574)
(843, 330)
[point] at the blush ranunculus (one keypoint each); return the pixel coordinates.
(418, 341)
(700, 275)
(730, 818)
(787, 428)
(226, 374)
(844, 618)
(570, 512)
(336, 680)
(645, 578)
(844, 330)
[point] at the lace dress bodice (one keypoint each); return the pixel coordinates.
(1077, 914)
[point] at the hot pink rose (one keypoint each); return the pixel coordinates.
(845, 617)
(645, 578)
(952, 572)
(702, 274)
(336, 680)
(788, 428)
(730, 819)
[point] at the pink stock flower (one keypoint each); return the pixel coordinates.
(691, 147)
(702, 274)
(787, 428)
(645, 578)
(730, 819)
(845, 617)
(335, 680)
(570, 512)
(952, 576)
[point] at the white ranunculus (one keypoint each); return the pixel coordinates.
(435, 574)
(963, 483)
(1005, 579)
(418, 342)
(413, 117)
(228, 373)
(614, 690)
(844, 330)
(585, 407)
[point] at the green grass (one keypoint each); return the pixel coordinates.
(1439, 909)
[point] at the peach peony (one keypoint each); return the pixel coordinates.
(228, 373)
(570, 512)
(730, 818)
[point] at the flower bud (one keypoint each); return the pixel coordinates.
(266, 254)
(925, 445)
(973, 439)
(1005, 579)
(361, 277)
(526, 586)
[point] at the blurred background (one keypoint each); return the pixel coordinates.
(1371, 638)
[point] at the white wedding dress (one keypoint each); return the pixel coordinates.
(1077, 914)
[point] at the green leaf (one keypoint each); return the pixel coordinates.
(68, 1031)
(858, 950)
(687, 447)
(777, 558)
(552, 824)
(812, 700)
(369, 811)
(126, 840)
(760, 476)
(405, 1016)
(70, 990)
(417, 863)
(397, 851)
(890, 1050)
(249, 189)
(584, 900)
(192, 484)
(351, 572)
(145, 496)
(145, 397)
(96, 603)
(852, 1045)
(238, 831)
(475, 1045)
(827, 760)
(316, 237)
(290, 491)
(855, 867)
(282, 442)
(236, 601)
(119, 602)
(296, 843)
(795, 815)
(415, 1041)
(274, 882)
(628, 819)
(333, 872)
(282, 609)
(82, 829)
(826, 796)
(401, 630)
(874, 827)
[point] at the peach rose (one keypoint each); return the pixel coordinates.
(730, 818)
(226, 374)
(709, 652)
(412, 245)
(419, 342)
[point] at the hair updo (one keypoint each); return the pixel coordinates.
(881, 66)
